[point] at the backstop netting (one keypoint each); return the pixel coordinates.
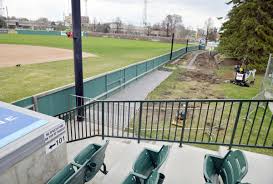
(266, 91)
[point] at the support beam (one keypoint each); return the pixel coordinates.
(77, 43)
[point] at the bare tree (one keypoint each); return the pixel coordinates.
(208, 27)
(170, 23)
(94, 27)
(118, 25)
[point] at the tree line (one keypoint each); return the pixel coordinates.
(248, 32)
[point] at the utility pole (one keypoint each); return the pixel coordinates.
(86, 8)
(7, 17)
(77, 44)
(1, 8)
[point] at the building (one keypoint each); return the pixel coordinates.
(84, 21)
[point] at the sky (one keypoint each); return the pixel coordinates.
(194, 12)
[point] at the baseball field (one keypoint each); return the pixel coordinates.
(46, 62)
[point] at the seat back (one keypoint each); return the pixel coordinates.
(85, 166)
(95, 162)
(86, 154)
(234, 167)
(144, 165)
(161, 156)
(150, 160)
(70, 174)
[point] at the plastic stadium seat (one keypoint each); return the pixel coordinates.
(85, 166)
(153, 179)
(149, 161)
(232, 168)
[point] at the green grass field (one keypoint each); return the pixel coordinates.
(27, 80)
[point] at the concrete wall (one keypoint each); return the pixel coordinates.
(37, 168)
(37, 155)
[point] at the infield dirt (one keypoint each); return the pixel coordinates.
(12, 55)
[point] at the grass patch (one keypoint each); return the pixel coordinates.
(36, 78)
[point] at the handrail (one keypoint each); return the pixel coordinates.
(198, 121)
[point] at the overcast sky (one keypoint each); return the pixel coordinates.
(194, 12)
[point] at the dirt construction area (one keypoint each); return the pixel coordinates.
(201, 78)
(12, 55)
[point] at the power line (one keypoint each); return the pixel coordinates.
(145, 13)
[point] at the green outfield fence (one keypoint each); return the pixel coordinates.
(43, 32)
(58, 100)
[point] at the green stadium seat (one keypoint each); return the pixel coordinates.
(232, 168)
(85, 166)
(149, 161)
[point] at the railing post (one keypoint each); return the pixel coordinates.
(235, 125)
(102, 119)
(183, 127)
(139, 124)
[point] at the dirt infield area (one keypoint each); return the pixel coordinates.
(12, 55)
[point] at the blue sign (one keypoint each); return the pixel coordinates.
(14, 125)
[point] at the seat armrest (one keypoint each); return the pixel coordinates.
(76, 164)
(140, 176)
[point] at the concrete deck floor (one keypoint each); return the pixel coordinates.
(139, 89)
(183, 166)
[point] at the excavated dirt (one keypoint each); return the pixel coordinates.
(204, 72)
(201, 78)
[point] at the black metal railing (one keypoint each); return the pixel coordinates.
(244, 123)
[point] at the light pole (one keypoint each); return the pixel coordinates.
(77, 44)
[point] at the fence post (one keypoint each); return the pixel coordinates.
(139, 124)
(106, 85)
(184, 123)
(171, 55)
(102, 120)
(235, 124)
(187, 46)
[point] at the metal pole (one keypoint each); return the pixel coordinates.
(235, 125)
(140, 121)
(187, 46)
(77, 44)
(171, 56)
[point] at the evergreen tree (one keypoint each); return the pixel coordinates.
(248, 34)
